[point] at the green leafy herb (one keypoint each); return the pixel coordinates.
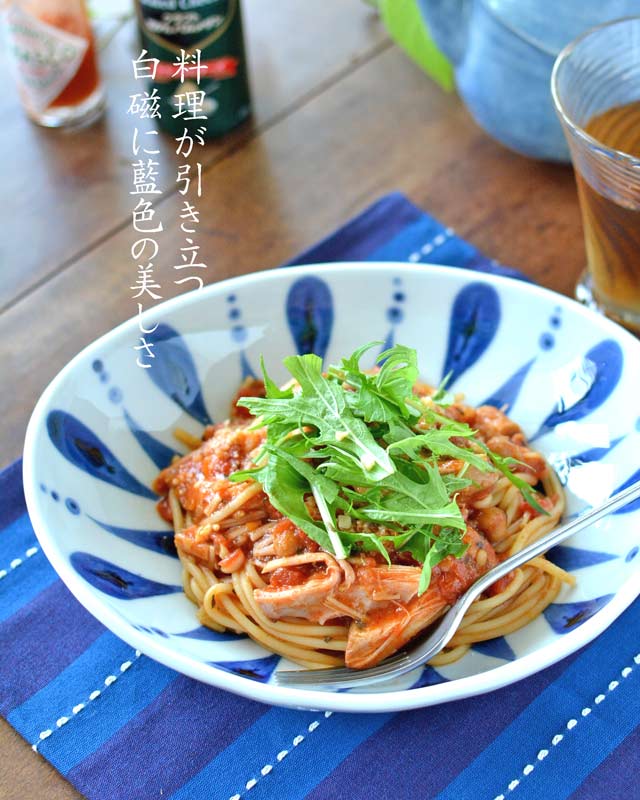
(438, 442)
(322, 405)
(447, 544)
(398, 375)
(409, 502)
(271, 388)
(358, 450)
(367, 541)
(441, 396)
(503, 464)
(286, 488)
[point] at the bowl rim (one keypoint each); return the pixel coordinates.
(317, 698)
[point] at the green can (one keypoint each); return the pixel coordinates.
(173, 31)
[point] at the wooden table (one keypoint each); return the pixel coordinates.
(341, 117)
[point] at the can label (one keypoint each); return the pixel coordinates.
(45, 58)
(214, 27)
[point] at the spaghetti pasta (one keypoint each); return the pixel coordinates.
(250, 569)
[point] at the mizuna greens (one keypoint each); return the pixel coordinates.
(366, 448)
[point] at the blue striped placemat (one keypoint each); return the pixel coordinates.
(122, 727)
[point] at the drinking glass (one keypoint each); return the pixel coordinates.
(596, 90)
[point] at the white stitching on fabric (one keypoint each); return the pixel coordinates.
(571, 724)
(18, 561)
(430, 246)
(297, 740)
(45, 734)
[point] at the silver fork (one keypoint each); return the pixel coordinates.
(342, 678)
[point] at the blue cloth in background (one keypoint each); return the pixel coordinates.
(121, 727)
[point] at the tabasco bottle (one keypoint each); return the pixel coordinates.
(54, 59)
(171, 28)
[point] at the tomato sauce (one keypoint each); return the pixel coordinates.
(500, 585)
(545, 502)
(164, 509)
(199, 478)
(453, 576)
(251, 387)
(285, 577)
(288, 540)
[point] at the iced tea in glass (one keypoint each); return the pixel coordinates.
(596, 90)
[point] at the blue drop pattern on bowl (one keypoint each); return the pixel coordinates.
(594, 453)
(507, 394)
(157, 451)
(565, 464)
(174, 373)
(635, 505)
(572, 558)
(495, 648)
(157, 541)
(309, 312)
(85, 450)
(474, 321)
(590, 385)
(116, 581)
(429, 676)
(205, 634)
(564, 617)
(258, 669)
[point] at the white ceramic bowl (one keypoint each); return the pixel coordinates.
(103, 429)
